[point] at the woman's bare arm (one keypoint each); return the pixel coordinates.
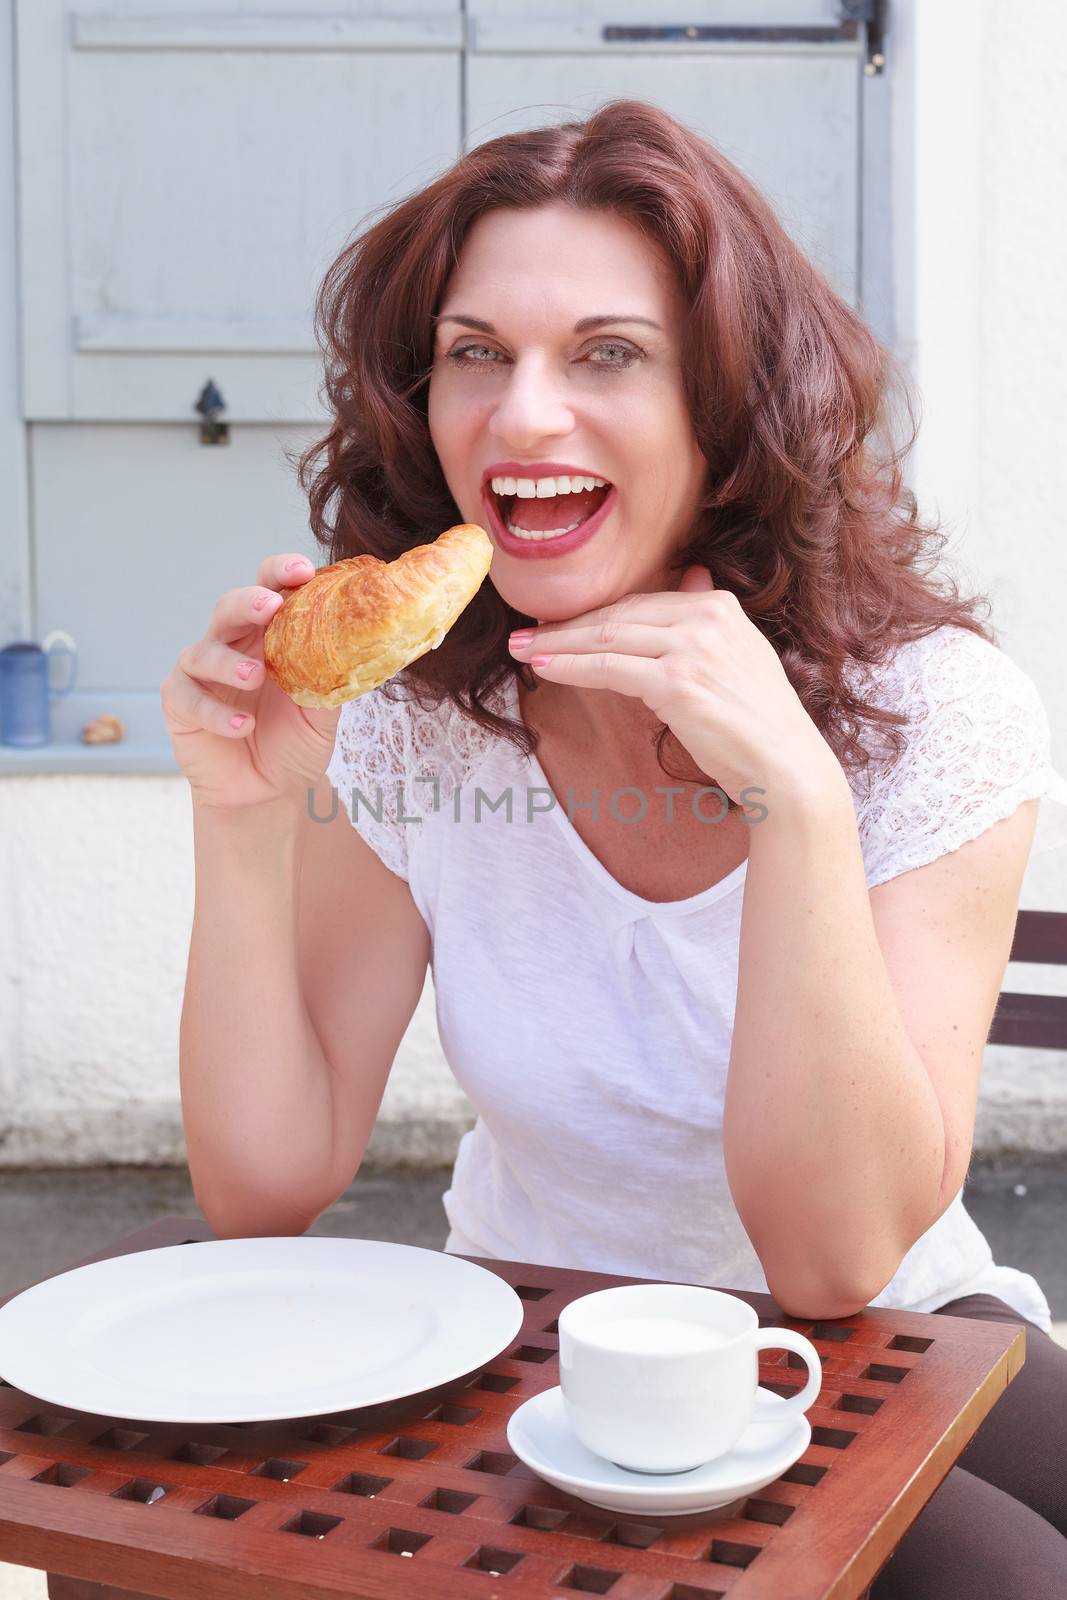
(306, 961)
(860, 1019)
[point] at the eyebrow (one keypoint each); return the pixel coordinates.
(582, 326)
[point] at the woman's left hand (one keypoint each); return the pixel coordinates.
(703, 668)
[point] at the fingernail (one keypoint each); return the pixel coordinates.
(235, 722)
(540, 661)
(262, 600)
(297, 561)
(520, 638)
(246, 669)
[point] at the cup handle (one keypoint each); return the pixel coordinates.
(66, 646)
(773, 1409)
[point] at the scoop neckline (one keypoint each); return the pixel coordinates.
(662, 908)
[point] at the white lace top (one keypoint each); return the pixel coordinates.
(591, 1028)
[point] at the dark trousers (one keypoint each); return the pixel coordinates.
(996, 1528)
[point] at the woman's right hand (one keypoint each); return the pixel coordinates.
(281, 749)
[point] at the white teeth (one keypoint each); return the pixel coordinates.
(542, 533)
(545, 488)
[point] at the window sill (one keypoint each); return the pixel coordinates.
(144, 747)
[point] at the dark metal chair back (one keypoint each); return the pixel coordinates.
(1036, 1020)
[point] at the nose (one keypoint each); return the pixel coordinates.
(532, 407)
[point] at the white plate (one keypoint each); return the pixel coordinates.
(540, 1435)
(254, 1330)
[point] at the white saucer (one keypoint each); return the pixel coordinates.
(540, 1436)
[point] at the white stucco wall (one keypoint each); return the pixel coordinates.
(96, 872)
(982, 143)
(96, 877)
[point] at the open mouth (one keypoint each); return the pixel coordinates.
(539, 517)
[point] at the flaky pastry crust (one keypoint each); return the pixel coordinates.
(358, 622)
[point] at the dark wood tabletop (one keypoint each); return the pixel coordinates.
(422, 1499)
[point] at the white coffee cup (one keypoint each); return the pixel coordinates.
(662, 1377)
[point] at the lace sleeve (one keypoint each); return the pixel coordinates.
(368, 765)
(978, 745)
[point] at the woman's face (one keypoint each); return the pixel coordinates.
(528, 396)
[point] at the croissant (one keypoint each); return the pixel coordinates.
(358, 622)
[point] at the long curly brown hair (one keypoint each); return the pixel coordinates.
(805, 514)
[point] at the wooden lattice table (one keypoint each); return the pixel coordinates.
(423, 1500)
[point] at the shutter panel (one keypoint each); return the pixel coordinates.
(188, 175)
(774, 85)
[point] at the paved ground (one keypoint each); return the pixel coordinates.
(48, 1220)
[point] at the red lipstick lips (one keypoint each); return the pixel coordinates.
(542, 549)
(554, 544)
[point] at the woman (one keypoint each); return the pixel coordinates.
(721, 1024)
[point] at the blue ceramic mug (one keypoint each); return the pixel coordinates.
(26, 691)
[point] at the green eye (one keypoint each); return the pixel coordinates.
(461, 357)
(628, 355)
